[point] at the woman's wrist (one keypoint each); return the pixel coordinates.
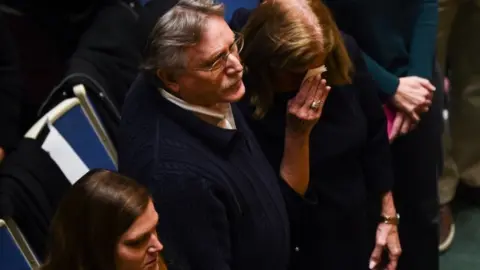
(388, 205)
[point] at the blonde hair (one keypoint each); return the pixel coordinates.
(290, 35)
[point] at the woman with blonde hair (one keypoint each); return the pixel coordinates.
(286, 44)
(105, 221)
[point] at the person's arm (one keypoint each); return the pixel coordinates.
(303, 113)
(422, 47)
(411, 94)
(10, 91)
(376, 159)
(387, 81)
(193, 226)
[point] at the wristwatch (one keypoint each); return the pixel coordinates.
(394, 220)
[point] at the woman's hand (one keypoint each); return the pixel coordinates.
(387, 237)
(306, 107)
(414, 95)
(303, 112)
(402, 124)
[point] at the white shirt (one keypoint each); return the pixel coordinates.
(224, 112)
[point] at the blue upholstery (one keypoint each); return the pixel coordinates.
(11, 257)
(79, 133)
(232, 5)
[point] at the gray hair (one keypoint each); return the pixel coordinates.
(179, 28)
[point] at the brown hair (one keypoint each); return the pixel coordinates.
(90, 220)
(278, 35)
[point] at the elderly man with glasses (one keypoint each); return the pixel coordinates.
(221, 204)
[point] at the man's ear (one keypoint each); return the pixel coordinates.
(168, 80)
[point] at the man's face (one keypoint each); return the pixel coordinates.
(214, 71)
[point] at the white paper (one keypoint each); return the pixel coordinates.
(64, 155)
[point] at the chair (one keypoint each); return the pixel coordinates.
(61, 147)
(232, 5)
(77, 122)
(15, 253)
(94, 98)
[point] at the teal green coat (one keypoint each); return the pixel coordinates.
(396, 36)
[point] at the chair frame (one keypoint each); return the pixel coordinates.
(63, 107)
(21, 242)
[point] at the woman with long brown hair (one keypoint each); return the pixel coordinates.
(350, 164)
(105, 221)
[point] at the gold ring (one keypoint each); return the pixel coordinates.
(315, 105)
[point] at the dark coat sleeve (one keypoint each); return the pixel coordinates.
(422, 48)
(10, 89)
(377, 161)
(193, 225)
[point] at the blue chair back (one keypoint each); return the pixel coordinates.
(11, 255)
(82, 144)
(232, 5)
(77, 130)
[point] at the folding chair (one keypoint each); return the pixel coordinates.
(232, 5)
(15, 253)
(94, 97)
(75, 137)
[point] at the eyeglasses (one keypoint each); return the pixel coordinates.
(221, 60)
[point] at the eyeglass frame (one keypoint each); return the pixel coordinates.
(238, 40)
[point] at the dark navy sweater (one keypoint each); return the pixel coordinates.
(220, 203)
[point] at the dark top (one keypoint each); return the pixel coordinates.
(10, 89)
(219, 201)
(349, 152)
(31, 187)
(397, 36)
(350, 167)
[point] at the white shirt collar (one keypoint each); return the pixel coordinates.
(224, 113)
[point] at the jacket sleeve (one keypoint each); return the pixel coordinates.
(387, 81)
(376, 158)
(422, 47)
(193, 222)
(10, 89)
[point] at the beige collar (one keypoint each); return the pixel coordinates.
(223, 112)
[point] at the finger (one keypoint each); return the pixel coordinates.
(427, 102)
(424, 109)
(405, 126)
(317, 113)
(296, 102)
(414, 116)
(392, 265)
(293, 108)
(426, 83)
(2, 154)
(316, 88)
(325, 93)
(376, 256)
(430, 96)
(320, 94)
(323, 98)
(305, 90)
(397, 123)
(393, 258)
